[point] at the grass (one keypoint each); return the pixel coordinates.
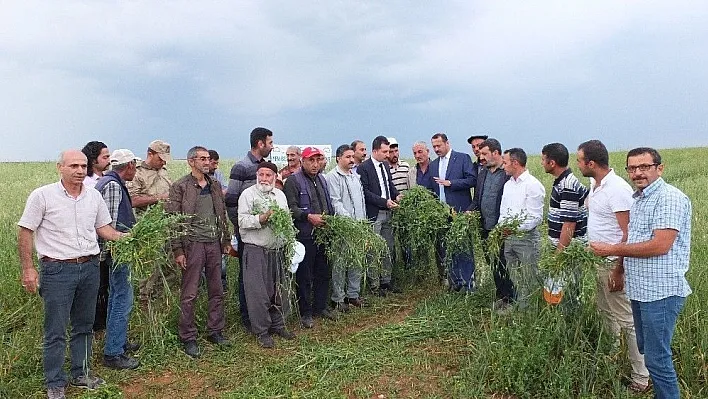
(425, 343)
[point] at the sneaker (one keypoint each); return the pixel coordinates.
(56, 393)
(265, 340)
(356, 302)
(307, 322)
(327, 314)
(341, 307)
(131, 346)
(282, 333)
(191, 349)
(120, 362)
(87, 382)
(218, 339)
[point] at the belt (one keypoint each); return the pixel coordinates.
(80, 259)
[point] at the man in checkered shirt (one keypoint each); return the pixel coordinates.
(656, 257)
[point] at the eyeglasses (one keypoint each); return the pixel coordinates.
(642, 168)
(203, 159)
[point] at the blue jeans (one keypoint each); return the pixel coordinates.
(120, 303)
(462, 272)
(654, 323)
(69, 292)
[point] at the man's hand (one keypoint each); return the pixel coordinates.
(442, 182)
(263, 217)
(399, 198)
(390, 204)
(602, 249)
(30, 279)
(615, 282)
(226, 249)
(316, 220)
(506, 233)
(181, 261)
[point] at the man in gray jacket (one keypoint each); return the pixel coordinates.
(347, 196)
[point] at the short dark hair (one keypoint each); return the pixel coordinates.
(193, 151)
(213, 155)
(92, 150)
(493, 145)
(655, 157)
(594, 150)
(442, 136)
(556, 152)
(378, 142)
(259, 134)
(342, 149)
(356, 143)
(518, 154)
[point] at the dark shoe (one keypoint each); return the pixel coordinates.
(341, 307)
(120, 362)
(131, 346)
(282, 333)
(265, 340)
(307, 322)
(380, 292)
(327, 314)
(191, 349)
(356, 302)
(87, 382)
(218, 339)
(638, 389)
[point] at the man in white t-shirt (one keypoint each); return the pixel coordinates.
(608, 203)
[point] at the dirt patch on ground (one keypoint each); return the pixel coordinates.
(169, 384)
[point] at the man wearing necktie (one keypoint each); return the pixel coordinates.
(380, 196)
(453, 179)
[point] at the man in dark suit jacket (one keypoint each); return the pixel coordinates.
(487, 200)
(380, 196)
(453, 178)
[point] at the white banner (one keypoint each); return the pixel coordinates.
(278, 157)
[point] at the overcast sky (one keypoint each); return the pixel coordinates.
(327, 72)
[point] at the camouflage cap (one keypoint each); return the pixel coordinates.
(162, 149)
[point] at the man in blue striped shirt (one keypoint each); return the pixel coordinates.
(567, 215)
(656, 258)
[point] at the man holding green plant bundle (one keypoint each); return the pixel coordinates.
(120, 297)
(656, 257)
(567, 216)
(347, 196)
(64, 219)
(608, 203)
(521, 209)
(309, 199)
(206, 238)
(263, 258)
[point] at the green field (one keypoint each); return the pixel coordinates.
(424, 343)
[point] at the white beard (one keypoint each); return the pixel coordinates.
(264, 188)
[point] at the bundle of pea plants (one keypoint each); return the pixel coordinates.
(462, 237)
(353, 243)
(419, 221)
(147, 244)
(508, 226)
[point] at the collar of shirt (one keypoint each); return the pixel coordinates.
(650, 189)
(608, 176)
(447, 156)
(562, 176)
(253, 157)
(376, 163)
(343, 173)
(522, 177)
(60, 184)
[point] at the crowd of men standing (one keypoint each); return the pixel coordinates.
(645, 234)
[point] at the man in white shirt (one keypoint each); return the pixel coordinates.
(608, 203)
(523, 197)
(64, 219)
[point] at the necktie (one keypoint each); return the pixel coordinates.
(385, 183)
(442, 171)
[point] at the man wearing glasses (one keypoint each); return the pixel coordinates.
(656, 257)
(207, 237)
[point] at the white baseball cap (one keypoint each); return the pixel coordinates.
(392, 141)
(122, 156)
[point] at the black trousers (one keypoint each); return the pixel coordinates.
(312, 277)
(99, 322)
(502, 280)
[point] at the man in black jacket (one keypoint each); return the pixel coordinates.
(487, 200)
(380, 196)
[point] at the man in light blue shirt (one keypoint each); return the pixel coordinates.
(656, 257)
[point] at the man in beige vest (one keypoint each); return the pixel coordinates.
(149, 186)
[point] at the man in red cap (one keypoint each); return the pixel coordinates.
(308, 199)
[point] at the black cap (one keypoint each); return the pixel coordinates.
(268, 165)
(477, 136)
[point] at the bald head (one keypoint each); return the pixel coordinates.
(66, 155)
